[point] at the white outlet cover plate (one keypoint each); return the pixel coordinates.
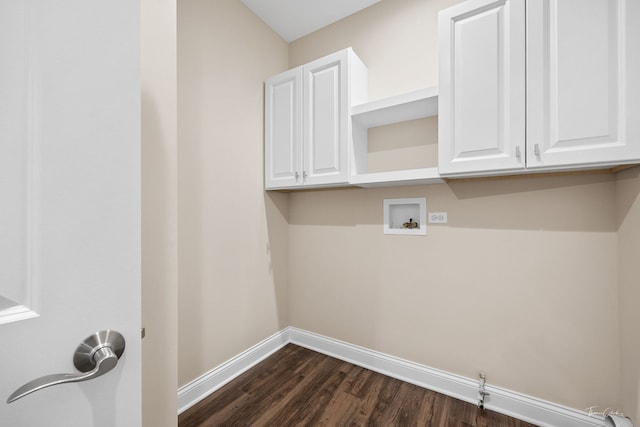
(437, 217)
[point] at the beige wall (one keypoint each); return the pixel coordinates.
(396, 39)
(233, 240)
(628, 210)
(159, 214)
(522, 281)
(628, 187)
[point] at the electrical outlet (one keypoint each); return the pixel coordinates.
(438, 217)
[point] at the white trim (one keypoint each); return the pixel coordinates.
(203, 386)
(28, 306)
(16, 313)
(526, 408)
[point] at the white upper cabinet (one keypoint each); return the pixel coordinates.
(307, 121)
(582, 63)
(482, 87)
(576, 90)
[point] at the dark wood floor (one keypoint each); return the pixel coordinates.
(299, 387)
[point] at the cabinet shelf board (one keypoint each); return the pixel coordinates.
(395, 178)
(400, 108)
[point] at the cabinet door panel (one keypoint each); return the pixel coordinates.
(325, 123)
(576, 83)
(283, 129)
(482, 87)
(325, 120)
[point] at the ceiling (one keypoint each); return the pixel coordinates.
(293, 19)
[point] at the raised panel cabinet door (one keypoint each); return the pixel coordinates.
(582, 78)
(325, 123)
(283, 130)
(482, 87)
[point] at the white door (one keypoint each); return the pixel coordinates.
(69, 206)
(482, 87)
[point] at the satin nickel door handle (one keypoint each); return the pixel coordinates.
(94, 357)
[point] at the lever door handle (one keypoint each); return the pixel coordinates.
(95, 356)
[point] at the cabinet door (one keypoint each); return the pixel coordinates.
(283, 130)
(482, 87)
(326, 113)
(582, 73)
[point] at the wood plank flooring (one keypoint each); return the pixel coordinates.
(299, 387)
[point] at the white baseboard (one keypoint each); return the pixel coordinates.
(198, 389)
(526, 408)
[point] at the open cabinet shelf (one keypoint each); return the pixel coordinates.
(382, 112)
(395, 109)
